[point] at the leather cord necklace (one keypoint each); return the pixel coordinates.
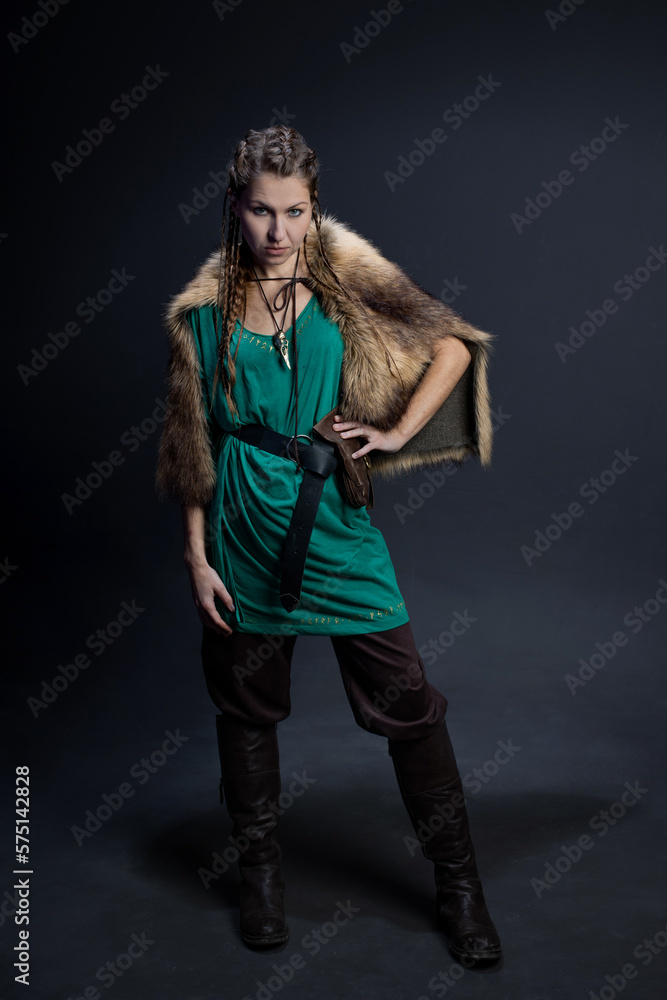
(288, 292)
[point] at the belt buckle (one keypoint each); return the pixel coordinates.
(294, 438)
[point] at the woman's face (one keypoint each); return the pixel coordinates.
(275, 213)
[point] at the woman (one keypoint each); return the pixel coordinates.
(273, 544)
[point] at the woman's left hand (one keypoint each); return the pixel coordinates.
(381, 440)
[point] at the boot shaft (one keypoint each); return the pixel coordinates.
(250, 785)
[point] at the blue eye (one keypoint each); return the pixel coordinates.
(294, 213)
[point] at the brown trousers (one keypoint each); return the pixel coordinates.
(248, 677)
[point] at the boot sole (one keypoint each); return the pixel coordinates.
(260, 943)
(464, 957)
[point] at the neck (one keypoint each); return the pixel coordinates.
(284, 270)
(278, 271)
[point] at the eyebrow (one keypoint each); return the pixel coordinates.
(262, 204)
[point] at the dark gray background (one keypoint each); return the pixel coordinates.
(66, 574)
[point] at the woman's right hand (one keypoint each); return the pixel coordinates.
(206, 584)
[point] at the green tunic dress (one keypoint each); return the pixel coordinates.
(349, 585)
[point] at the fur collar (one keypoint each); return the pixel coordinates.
(389, 326)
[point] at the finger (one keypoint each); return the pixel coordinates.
(224, 630)
(224, 595)
(362, 451)
(209, 616)
(345, 425)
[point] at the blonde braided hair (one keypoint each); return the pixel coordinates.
(279, 150)
(282, 151)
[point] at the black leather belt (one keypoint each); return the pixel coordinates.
(318, 461)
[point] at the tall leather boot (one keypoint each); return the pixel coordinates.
(250, 769)
(431, 789)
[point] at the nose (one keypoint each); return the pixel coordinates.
(277, 230)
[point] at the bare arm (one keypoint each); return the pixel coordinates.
(204, 580)
(193, 535)
(450, 360)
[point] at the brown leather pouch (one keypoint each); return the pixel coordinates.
(355, 472)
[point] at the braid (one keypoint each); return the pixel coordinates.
(317, 213)
(225, 301)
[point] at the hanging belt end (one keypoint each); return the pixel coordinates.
(289, 601)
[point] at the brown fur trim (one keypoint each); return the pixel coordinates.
(185, 468)
(390, 327)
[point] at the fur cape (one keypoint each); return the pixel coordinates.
(378, 376)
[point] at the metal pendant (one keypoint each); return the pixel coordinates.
(281, 345)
